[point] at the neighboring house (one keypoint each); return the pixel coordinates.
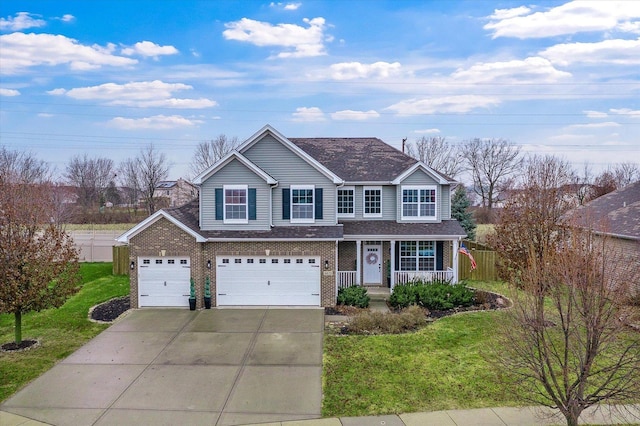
(616, 217)
(284, 221)
(175, 192)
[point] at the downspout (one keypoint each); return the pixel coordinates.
(274, 186)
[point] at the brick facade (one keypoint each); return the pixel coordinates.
(164, 235)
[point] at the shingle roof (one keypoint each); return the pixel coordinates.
(357, 159)
(188, 214)
(616, 213)
(450, 228)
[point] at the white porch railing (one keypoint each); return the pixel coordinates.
(346, 279)
(402, 277)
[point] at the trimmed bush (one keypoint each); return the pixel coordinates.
(435, 295)
(353, 296)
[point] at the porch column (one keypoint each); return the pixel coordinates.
(392, 261)
(454, 258)
(358, 260)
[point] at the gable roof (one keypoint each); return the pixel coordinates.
(234, 155)
(291, 146)
(363, 159)
(357, 159)
(124, 238)
(617, 213)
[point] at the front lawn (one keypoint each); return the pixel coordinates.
(60, 331)
(440, 367)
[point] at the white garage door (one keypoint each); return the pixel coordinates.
(273, 280)
(163, 281)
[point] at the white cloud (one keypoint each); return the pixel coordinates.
(148, 49)
(570, 18)
(286, 6)
(356, 70)
(454, 104)
(500, 14)
(626, 111)
(596, 114)
(21, 21)
(20, 51)
(45, 115)
(67, 18)
(308, 114)
(533, 69)
(348, 114)
(144, 94)
(9, 92)
(619, 52)
(427, 131)
(602, 125)
(299, 41)
(156, 122)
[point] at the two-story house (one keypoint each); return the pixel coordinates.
(288, 221)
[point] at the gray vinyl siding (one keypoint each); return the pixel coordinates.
(388, 203)
(289, 169)
(234, 173)
(445, 202)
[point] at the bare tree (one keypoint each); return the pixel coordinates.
(39, 262)
(209, 152)
(438, 154)
(626, 173)
(490, 162)
(130, 182)
(564, 342)
(152, 168)
(90, 177)
(531, 215)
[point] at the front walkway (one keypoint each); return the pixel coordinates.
(175, 366)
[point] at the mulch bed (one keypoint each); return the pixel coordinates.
(111, 309)
(25, 345)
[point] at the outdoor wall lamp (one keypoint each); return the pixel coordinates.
(132, 265)
(326, 264)
(209, 264)
(266, 252)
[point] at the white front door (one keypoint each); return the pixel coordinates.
(372, 270)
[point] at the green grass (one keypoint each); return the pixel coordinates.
(60, 331)
(443, 366)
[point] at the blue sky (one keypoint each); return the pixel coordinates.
(108, 77)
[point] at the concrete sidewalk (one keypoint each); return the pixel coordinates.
(503, 416)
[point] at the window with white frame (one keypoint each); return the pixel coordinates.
(235, 204)
(418, 202)
(302, 207)
(372, 201)
(346, 202)
(417, 255)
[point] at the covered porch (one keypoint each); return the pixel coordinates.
(387, 253)
(378, 263)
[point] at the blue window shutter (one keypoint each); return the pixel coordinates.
(219, 204)
(439, 256)
(252, 204)
(286, 203)
(318, 203)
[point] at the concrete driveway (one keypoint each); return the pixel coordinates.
(170, 366)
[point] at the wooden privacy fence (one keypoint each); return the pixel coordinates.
(485, 259)
(120, 260)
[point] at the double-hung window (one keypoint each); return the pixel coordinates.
(346, 199)
(417, 256)
(372, 201)
(418, 202)
(235, 204)
(302, 206)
